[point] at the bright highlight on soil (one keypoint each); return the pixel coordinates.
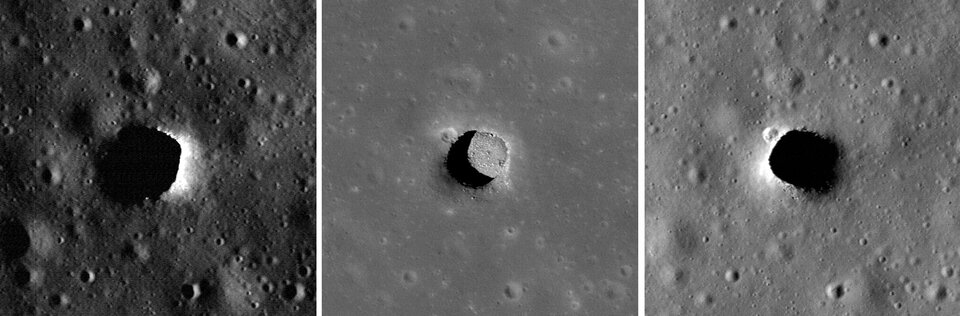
(141, 164)
(187, 168)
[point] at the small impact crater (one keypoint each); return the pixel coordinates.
(183, 6)
(806, 160)
(140, 79)
(836, 291)
(141, 164)
(190, 291)
(513, 291)
(294, 292)
(25, 277)
(784, 81)
(236, 39)
(476, 158)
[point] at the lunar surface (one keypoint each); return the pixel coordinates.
(479, 157)
(801, 158)
(157, 157)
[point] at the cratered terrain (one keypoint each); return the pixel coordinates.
(479, 157)
(802, 158)
(157, 157)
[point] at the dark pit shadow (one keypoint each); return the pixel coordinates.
(140, 164)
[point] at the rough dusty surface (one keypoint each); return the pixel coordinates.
(229, 227)
(554, 233)
(724, 235)
(488, 154)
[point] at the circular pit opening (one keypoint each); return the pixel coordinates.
(806, 160)
(140, 164)
(476, 158)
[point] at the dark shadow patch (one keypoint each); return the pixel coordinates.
(476, 158)
(140, 164)
(14, 239)
(806, 160)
